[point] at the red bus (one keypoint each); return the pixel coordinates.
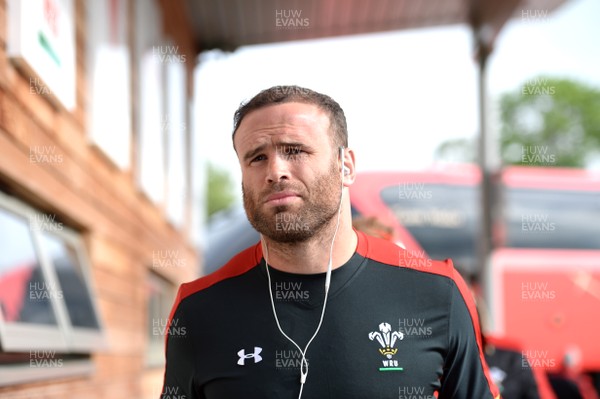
(544, 280)
(543, 283)
(436, 208)
(544, 277)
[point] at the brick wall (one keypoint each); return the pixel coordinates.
(121, 227)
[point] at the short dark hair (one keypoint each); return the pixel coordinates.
(289, 94)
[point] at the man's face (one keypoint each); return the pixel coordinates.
(290, 170)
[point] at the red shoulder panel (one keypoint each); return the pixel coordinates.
(238, 265)
(388, 253)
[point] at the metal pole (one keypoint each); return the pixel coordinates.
(485, 197)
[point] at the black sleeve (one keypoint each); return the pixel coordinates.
(179, 369)
(465, 370)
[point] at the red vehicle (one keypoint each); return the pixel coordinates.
(434, 210)
(543, 282)
(544, 277)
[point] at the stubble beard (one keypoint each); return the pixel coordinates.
(293, 224)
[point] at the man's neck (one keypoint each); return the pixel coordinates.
(312, 256)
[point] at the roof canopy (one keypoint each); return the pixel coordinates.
(228, 24)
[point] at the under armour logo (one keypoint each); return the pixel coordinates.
(243, 356)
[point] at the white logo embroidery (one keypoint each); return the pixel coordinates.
(243, 356)
(387, 339)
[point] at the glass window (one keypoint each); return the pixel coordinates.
(160, 297)
(151, 143)
(441, 217)
(66, 262)
(552, 218)
(46, 300)
(175, 127)
(109, 81)
(25, 296)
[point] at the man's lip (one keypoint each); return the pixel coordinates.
(281, 195)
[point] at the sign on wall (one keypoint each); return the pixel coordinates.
(41, 41)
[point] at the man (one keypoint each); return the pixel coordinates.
(512, 372)
(509, 367)
(317, 309)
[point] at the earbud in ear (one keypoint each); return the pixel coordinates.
(345, 168)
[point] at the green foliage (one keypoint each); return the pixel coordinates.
(545, 122)
(550, 122)
(220, 190)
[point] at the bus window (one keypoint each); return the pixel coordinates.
(441, 217)
(536, 218)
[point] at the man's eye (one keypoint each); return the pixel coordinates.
(258, 158)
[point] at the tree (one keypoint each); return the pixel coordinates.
(546, 122)
(220, 190)
(550, 117)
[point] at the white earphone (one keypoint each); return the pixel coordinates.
(344, 168)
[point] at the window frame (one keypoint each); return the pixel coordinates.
(153, 356)
(63, 337)
(25, 336)
(23, 373)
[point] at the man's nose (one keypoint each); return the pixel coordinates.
(278, 168)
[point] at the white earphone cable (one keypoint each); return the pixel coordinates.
(304, 363)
